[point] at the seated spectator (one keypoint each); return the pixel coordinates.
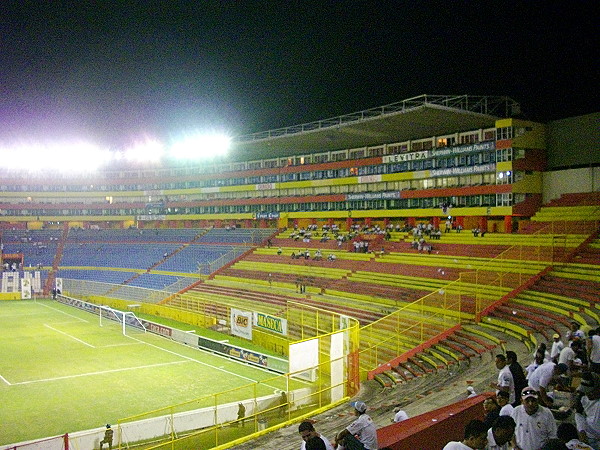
(503, 398)
(475, 437)
(308, 434)
(567, 433)
(399, 415)
(501, 434)
(331, 257)
(587, 408)
(363, 427)
(471, 392)
(279, 251)
(492, 411)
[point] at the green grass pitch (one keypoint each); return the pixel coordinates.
(61, 372)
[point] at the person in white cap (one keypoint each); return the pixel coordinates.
(557, 346)
(360, 434)
(399, 415)
(535, 423)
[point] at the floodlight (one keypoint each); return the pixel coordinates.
(200, 147)
(61, 157)
(148, 150)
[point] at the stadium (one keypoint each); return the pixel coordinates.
(377, 248)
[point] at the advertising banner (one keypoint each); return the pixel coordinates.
(266, 215)
(392, 195)
(271, 323)
(402, 157)
(25, 289)
(241, 323)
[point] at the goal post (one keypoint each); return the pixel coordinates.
(125, 318)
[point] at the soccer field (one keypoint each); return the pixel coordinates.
(61, 372)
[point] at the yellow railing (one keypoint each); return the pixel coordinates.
(213, 421)
(462, 299)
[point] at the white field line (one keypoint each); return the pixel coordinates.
(62, 312)
(102, 372)
(28, 314)
(68, 335)
(202, 363)
(119, 345)
(5, 380)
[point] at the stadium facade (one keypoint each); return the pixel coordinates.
(421, 159)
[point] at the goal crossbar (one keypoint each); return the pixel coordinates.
(124, 318)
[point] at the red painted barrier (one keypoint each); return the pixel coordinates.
(432, 430)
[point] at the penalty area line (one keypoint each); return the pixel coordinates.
(68, 335)
(5, 380)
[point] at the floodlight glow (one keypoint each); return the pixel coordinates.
(61, 157)
(146, 151)
(200, 147)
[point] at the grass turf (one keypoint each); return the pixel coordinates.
(61, 372)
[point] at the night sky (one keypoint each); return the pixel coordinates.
(112, 71)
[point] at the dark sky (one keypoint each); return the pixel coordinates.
(112, 70)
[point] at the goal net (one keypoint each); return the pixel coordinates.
(127, 320)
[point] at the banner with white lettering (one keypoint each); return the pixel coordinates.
(241, 323)
(271, 323)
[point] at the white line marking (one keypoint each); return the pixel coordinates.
(119, 345)
(200, 362)
(44, 380)
(68, 335)
(66, 313)
(5, 380)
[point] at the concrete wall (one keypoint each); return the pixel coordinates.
(574, 142)
(560, 182)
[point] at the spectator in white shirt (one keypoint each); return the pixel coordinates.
(307, 431)
(505, 378)
(535, 423)
(575, 332)
(593, 348)
(363, 427)
(501, 434)
(541, 379)
(399, 415)
(587, 408)
(506, 408)
(557, 346)
(567, 433)
(475, 437)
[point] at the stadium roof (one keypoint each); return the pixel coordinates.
(414, 118)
